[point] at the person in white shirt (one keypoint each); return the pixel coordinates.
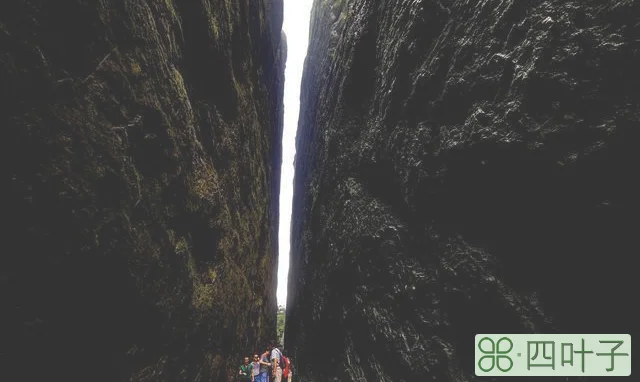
(255, 377)
(276, 353)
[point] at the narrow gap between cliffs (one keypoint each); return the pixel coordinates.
(296, 28)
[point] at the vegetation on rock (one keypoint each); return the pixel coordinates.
(280, 324)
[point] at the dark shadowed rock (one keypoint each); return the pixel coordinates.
(462, 167)
(141, 161)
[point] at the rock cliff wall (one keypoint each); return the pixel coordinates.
(141, 155)
(462, 167)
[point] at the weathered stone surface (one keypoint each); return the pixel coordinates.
(462, 167)
(142, 154)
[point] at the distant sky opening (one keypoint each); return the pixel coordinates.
(296, 27)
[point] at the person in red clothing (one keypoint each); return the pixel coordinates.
(286, 373)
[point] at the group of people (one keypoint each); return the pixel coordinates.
(270, 366)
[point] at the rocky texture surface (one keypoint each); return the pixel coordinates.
(141, 157)
(463, 167)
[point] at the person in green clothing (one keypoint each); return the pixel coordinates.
(246, 370)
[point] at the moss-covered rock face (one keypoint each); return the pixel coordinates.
(463, 167)
(142, 154)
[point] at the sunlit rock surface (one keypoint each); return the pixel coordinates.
(462, 167)
(141, 155)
